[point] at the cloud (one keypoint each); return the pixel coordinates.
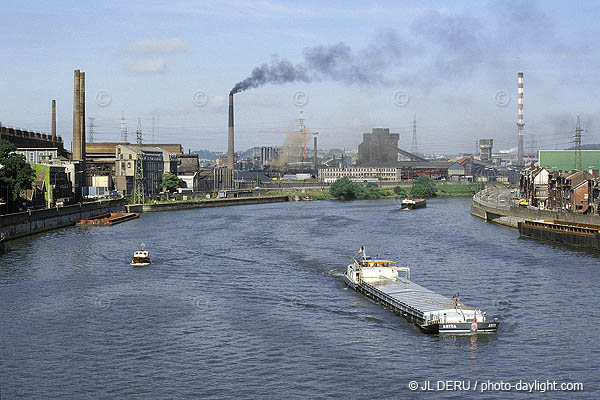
(156, 46)
(148, 66)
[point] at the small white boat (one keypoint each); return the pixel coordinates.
(141, 258)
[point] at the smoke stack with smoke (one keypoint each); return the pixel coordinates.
(230, 151)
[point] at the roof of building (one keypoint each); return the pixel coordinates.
(251, 176)
(187, 163)
(410, 164)
(145, 148)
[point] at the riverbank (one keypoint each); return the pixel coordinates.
(443, 191)
(27, 223)
(183, 205)
(504, 213)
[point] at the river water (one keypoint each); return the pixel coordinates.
(249, 302)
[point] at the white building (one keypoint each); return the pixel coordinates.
(361, 174)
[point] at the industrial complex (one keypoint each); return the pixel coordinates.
(136, 169)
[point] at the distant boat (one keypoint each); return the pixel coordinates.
(141, 258)
(411, 204)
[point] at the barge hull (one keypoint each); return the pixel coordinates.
(586, 237)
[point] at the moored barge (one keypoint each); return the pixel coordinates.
(568, 233)
(433, 313)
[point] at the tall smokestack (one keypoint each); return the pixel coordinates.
(123, 128)
(520, 122)
(230, 161)
(76, 117)
(53, 127)
(82, 112)
(315, 156)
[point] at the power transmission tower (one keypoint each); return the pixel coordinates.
(138, 195)
(578, 131)
(91, 129)
(477, 146)
(413, 148)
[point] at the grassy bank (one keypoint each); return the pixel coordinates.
(457, 190)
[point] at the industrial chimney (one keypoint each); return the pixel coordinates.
(53, 126)
(82, 112)
(230, 161)
(520, 122)
(76, 117)
(315, 155)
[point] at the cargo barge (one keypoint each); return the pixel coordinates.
(108, 219)
(567, 233)
(430, 312)
(412, 204)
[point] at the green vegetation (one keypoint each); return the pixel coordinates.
(16, 175)
(457, 190)
(400, 191)
(345, 189)
(170, 182)
(423, 187)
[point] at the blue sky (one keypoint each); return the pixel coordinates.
(455, 62)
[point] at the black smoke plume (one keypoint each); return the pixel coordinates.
(337, 63)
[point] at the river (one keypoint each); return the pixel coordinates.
(249, 302)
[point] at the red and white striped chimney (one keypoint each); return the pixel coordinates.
(520, 122)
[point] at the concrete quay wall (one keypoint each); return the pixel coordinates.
(183, 205)
(510, 216)
(21, 224)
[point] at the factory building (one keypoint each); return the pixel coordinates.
(360, 174)
(269, 155)
(153, 168)
(485, 149)
(379, 146)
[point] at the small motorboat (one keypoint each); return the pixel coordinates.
(141, 258)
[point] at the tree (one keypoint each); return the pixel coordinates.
(423, 187)
(344, 189)
(370, 192)
(16, 175)
(170, 182)
(400, 191)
